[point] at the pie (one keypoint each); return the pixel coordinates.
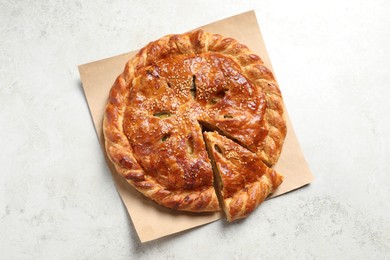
(180, 98)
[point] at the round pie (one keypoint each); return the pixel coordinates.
(189, 112)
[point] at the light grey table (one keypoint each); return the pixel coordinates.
(57, 199)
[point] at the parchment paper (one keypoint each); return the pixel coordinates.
(152, 221)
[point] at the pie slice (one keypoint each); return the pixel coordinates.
(243, 180)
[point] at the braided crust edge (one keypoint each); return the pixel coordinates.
(242, 203)
(120, 151)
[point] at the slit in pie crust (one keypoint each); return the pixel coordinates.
(171, 91)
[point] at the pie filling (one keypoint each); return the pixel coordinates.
(218, 183)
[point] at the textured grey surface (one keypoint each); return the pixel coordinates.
(57, 199)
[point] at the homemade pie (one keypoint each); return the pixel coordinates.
(196, 121)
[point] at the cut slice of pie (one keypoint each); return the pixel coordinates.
(243, 180)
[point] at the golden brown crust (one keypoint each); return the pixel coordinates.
(244, 180)
(170, 90)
